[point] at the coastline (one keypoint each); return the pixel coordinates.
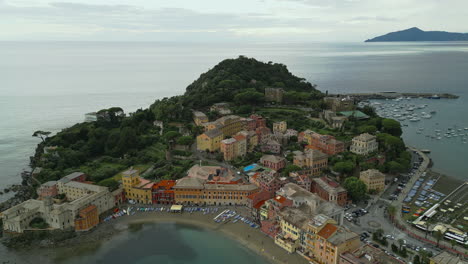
(252, 239)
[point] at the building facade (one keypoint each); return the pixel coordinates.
(329, 190)
(210, 140)
(312, 159)
(280, 127)
(137, 188)
(364, 144)
(163, 192)
(274, 94)
(199, 118)
(273, 162)
(374, 179)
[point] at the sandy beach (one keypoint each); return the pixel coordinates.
(249, 237)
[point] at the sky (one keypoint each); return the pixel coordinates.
(224, 21)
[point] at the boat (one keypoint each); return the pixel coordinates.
(433, 112)
(425, 150)
(414, 119)
(435, 96)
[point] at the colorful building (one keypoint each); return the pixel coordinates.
(313, 160)
(163, 192)
(367, 254)
(339, 103)
(137, 188)
(271, 146)
(251, 139)
(374, 179)
(329, 190)
(273, 162)
(364, 144)
(196, 191)
(210, 140)
(88, 218)
(259, 121)
(228, 148)
(325, 143)
(48, 189)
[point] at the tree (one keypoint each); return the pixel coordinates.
(249, 96)
(291, 168)
(356, 188)
(401, 242)
(394, 248)
(185, 140)
(391, 211)
(41, 134)
(109, 183)
(416, 260)
(453, 243)
(438, 236)
(344, 167)
(391, 127)
(170, 135)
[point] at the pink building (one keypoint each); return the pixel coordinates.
(273, 162)
(48, 189)
(259, 120)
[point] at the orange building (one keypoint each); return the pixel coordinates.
(87, 218)
(325, 143)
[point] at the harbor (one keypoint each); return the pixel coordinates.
(398, 95)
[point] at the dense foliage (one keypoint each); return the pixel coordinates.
(245, 79)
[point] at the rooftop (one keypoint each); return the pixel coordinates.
(341, 236)
(272, 158)
(70, 177)
(327, 231)
(447, 258)
(229, 141)
(213, 133)
(329, 185)
(364, 137)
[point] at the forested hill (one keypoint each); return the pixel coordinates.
(416, 34)
(233, 76)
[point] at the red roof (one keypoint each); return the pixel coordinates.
(280, 199)
(239, 137)
(259, 204)
(330, 182)
(164, 184)
(327, 231)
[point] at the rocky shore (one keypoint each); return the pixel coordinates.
(23, 191)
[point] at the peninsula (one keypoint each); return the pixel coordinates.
(416, 34)
(250, 150)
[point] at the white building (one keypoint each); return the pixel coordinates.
(364, 144)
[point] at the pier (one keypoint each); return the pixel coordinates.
(394, 95)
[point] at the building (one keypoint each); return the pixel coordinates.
(268, 181)
(251, 139)
(290, 133)
(339, 103)
(354, 114)
(250, 124)
(274, 94)
(259, 120)
(199, 118)
(241, 145)
(374, 179)
(293, 222)
(446, 258)
(196, 191)
(364, 144)
(311, 203)
(271, 146)
(327, 245)
(213, 174)
(163, 193)
(228, 148)
(90, 117)
(230, 125)
(210, 140)
(367, 254)
(333, 119)
(280, 127)
(325, 143)
(159, 124)
(263, 134)
(273, 162)
(221, 108)
(88, 218)
(314, 161)
(61, 216)
(329, 190)
(48, 189)
(303, 180)
(137, 188)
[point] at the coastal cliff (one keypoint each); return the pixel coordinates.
(416, 34)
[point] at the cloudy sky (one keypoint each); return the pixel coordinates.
(220, 20)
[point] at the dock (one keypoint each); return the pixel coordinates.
(395, 95)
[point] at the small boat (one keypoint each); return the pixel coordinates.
(435, 96)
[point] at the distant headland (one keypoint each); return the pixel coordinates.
(416, 34)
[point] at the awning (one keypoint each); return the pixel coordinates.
(176, 208)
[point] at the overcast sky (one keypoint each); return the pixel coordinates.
(220, 20)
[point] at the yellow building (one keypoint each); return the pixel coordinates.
(374, 179)
(210, 140)
(326, 245)
(231, 124)
(280, 127)
(191, 190)
(293, 223)
(199, 118)
(313, 160)
(136, 188)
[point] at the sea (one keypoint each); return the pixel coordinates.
(51, 85)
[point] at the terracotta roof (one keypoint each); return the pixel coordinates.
(327, 231)
(239, 137)
(280, 199)
(259, 204)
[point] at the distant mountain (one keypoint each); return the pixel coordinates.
(416, 34)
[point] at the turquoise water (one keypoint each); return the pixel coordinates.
(154, 243)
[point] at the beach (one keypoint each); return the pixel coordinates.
(85, 243)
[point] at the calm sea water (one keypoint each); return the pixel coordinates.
(49, 86)
(151, 243)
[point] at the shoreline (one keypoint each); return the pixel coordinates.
(249, 238)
